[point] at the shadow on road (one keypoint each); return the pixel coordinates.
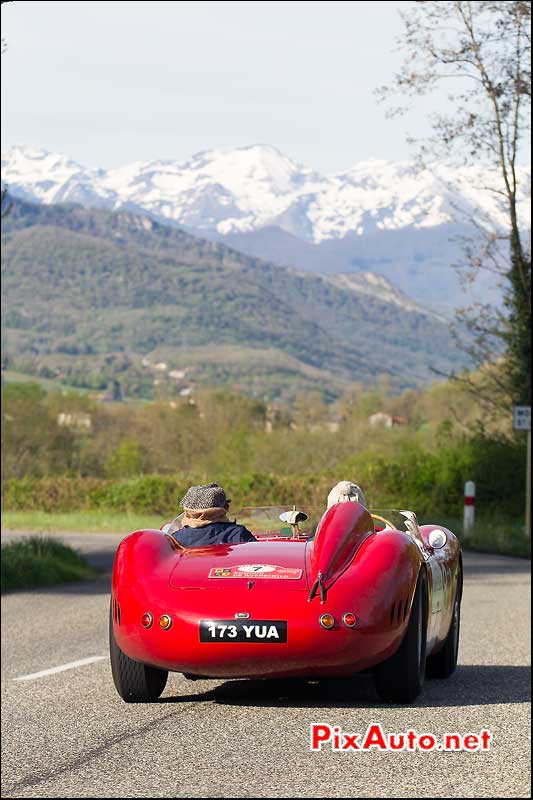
(471, 685)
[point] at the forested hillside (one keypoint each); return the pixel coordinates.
(91, 292)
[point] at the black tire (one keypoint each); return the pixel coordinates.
(443, 663)
(400, 679)
(135, 682)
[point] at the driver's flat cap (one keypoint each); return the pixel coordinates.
(209, 495)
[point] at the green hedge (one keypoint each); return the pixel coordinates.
(154, 493)
(430, 483)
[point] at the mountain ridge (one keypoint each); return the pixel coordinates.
(392, 218)
(260, 186)
(82, 285)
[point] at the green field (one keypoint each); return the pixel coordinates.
(49, 385)
(79, 521)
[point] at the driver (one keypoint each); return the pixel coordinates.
(206, 522)
(346, 491)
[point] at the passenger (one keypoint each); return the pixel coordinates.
(206, 521)
(346, 491)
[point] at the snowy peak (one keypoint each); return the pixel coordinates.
(246, 189)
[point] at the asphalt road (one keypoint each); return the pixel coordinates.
(68, 734)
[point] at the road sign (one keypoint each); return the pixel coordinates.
(522, 418)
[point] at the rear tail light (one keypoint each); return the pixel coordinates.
(146, 620)
(349, 619)
(165, 621)
(327, 621)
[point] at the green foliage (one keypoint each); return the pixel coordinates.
(125, 462)
(429, 483)
(151, 493)
(39, 561)
(518, 330)
(141, 458)
(33, 444)
(48, 494)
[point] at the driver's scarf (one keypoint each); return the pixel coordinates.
(199, 517)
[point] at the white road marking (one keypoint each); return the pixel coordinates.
(61, 668)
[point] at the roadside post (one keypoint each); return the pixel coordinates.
(522, 422)
(469, 513)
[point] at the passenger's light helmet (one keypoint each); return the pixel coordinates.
(346, 491)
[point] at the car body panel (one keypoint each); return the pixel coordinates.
(345, 567)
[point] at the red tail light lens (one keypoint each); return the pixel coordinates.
(349, 619)
(146, 620)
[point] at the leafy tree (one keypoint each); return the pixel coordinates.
(125, 462)
(482, 52)
(33, 444)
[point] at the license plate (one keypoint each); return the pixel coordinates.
(265, 631)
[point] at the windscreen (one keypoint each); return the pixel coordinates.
(264, 521)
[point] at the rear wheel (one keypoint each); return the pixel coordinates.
(401, 677)
(135, 682)
(443, 663)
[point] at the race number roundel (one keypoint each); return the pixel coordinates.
(257, 568)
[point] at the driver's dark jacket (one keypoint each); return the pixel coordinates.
(214, 533)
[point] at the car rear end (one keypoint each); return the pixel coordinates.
(247, 610)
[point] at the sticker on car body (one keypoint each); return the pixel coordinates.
(267, 571)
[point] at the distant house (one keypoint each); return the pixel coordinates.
(387, 420)
(161, 366)
(74, 420)
(177, 374)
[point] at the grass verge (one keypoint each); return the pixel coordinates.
(40, 561)
(80, 521)
(493, 535)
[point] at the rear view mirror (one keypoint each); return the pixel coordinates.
(293, 517)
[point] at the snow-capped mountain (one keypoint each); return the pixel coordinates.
(260, 201)
(249, 188)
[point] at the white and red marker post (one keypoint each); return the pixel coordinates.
(469, 513)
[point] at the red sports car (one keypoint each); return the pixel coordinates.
(358, 591)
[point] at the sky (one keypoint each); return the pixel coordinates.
(109, 83)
